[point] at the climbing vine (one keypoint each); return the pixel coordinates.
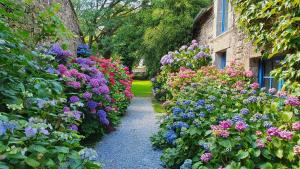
(274, 28)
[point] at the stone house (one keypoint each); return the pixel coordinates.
(216, 26)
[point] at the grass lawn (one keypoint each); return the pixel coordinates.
(142, 88)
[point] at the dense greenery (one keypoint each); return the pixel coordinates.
(274, 27)
(136, 29)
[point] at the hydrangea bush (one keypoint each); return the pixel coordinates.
(222, 119)
(190, 57)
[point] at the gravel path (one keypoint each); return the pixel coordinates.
(129, 147)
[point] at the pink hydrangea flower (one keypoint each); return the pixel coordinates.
(272, 131)
(292, 101)
(254, 85)
(260, 143)
(206, 157)
(286, 135)
(258, 133)
(248, 73)
(75, 85)
(241, 126)
(296, 150)
(296, 126)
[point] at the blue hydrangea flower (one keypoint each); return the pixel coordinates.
(237, 118)
(252, 99)
(187, 102)
(205, 146)
(191, 115)
(185, 116)
(180, 124)
(88, 154)
(30, 132)
(176, 110)
(209, 107)
(268, 124)
(200, 103)
(170, 136)
(187, 164)
(201, 114)
(244, 111)
(212, 98)
(243, 91)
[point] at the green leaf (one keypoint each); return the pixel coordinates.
(226, 143)
(62, 149)
(242, 154)
(266, 166)
(31, 162)
(257, 153)
(38, 148)
(279, 153)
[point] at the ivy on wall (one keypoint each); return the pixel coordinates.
(274, 28)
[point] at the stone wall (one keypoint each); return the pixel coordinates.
(69, 18)
(233, 42)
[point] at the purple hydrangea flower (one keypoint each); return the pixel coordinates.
(206, 157)
(30, 132)
(44, 131)
(167, 59)
(241, 126)
(74, 84)
(87, 95)
(103, 117)
(92, 104)
(73, 127)
(292, 101)
(200, 55)
(74, 99)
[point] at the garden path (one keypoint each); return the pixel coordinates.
(129, 147)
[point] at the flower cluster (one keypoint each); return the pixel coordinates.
(225, 113)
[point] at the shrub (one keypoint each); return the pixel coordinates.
(221, 119)
(191, 57)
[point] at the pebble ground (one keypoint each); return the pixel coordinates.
(129, 147)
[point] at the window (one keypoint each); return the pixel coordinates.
(264, 77)
(222, 16)
(221, 60)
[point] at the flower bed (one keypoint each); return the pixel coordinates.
(190, 57)
(222, 119)
(57, 101)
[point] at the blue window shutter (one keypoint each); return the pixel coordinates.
(280, 84)
(223, 61)
(224, 8)
(261, 73)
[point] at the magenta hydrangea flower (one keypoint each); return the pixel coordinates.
(254, 85)
(225, 124)
(240, 126)
(74, 99)
(272, 131)
(206, 157)
(292, 101)
(296, 149)
(286, 135)
(75, 85)
(296, 126)
(87, 95)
